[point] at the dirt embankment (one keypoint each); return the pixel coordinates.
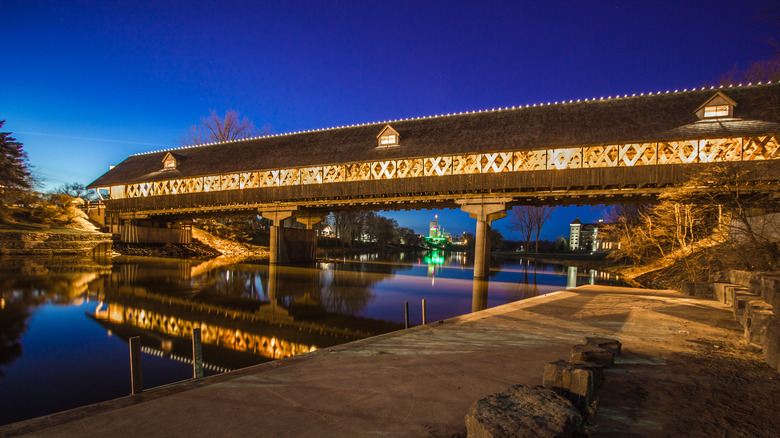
(204, 246)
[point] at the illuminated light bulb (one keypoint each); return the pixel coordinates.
(750, 83)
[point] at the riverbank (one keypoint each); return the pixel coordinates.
(684, 371)
(27, 239)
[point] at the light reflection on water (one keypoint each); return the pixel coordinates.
(65, 323)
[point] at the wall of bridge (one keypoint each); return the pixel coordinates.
(447, 188)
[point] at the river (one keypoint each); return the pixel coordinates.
(65, 322)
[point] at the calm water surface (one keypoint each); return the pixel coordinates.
(65, 323)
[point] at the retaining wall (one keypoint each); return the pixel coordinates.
(754, 297)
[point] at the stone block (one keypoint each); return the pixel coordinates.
(523, 411)
(770, 289)
(757, 317)
(740, 300)
(609, 343)
(700, 289)
(743, 278)
(575, 381)
(719, 291)
(585, 353)
(772, 344)
(732, 291)
(719, 277)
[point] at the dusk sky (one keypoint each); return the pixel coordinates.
(85, 84)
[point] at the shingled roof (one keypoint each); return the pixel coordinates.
(655, 117)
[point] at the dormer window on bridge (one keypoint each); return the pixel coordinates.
(169, 162)
(717, 106)
(388, 137)
(716, 111)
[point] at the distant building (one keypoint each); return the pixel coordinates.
(433, 230)
(327, 231)
(436, 235)
(584, 237)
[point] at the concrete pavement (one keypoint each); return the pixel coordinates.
(417, 382)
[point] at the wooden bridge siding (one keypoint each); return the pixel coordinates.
(448, 186)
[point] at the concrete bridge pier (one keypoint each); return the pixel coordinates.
(276, 217)
(310, 220)
(485, 211)
(292, 245)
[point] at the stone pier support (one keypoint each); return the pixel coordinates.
(485, 211)
(276, 217)
(310, 220)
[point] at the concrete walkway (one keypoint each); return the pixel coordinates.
(420, 382)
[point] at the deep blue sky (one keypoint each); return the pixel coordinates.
(85, 84)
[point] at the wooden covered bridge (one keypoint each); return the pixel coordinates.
(598, 151)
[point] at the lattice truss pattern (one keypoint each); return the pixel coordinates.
(632, 154)
(234, 339)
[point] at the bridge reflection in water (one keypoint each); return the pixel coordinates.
(247, 313)
(268, 312)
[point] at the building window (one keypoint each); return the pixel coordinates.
(716, 111)
(388, 140)
(170, 164)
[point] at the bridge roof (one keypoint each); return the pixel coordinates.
(634, 119)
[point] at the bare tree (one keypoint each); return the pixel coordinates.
(348, 225)
(76, 190)
(216, 128)
(539, 216)
(528, 220)
(521, 220)
(723, 216)
(758, 71)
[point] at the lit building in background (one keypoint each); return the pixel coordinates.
(434, 231)
(584, 237)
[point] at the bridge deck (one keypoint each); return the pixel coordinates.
(420, 382)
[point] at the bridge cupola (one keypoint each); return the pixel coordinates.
(716, 107)
(388, 137)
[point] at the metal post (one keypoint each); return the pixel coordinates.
(406, 314)
(136, 379)
(423, 309)
(197, 355)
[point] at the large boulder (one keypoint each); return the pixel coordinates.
(523, 411)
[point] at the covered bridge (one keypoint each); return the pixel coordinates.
(607, 150)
